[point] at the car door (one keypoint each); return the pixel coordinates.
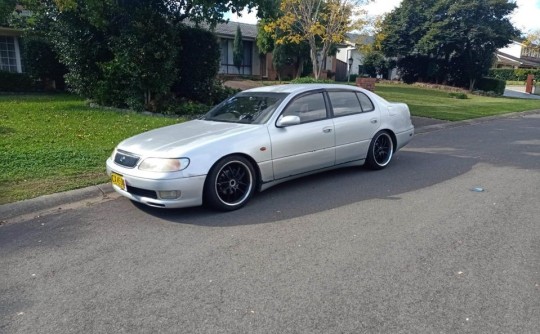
(355, 122)
(307, 146)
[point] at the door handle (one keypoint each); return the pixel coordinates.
(374, 121)
(327, 130)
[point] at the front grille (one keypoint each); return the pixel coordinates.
(142, 192)
(125, 159)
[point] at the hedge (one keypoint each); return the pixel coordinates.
(15, 82)
(309, 80)
(198, 64)
(491, 85)
(509, 74)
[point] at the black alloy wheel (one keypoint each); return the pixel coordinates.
(230, 184)
(380, 151)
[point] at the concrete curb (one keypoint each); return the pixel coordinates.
(47, 202)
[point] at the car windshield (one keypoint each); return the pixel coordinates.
(247, 108)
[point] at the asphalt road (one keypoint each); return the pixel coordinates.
(409, 249)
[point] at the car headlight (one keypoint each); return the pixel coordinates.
(164, 165)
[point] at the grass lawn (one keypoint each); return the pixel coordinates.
(437, 104)
(53, 143)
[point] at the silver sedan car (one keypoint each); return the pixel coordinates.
(256, 139)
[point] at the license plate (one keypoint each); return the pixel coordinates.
(118, 181)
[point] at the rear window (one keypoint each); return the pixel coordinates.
(365, 102)
(344, 103)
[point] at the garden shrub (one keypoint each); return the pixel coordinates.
(113, 89)
(198, 64)
(491, 85)
(506, 74)
(41, 62)
(15, 82)
(352, 77)
(522, 73)
(308, 80)
(220, 92)
(182, 107)
(484, 93)
(81, 47)
(459, 96)
(509, 74)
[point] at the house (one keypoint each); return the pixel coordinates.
(10, 46)
(345, 55)
(518, 55)
(10, 51)
(254, 64)
(350, 55)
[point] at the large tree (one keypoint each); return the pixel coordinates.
(321, 23)
(447, 40)
(178, 11)
(284, 54)
(533, 38)
(123, 52)
(6, 8)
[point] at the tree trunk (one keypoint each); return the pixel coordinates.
(147, 97)
(324, 53)
(315, 62)
(300, 67)
(314, 59)
(472, 82)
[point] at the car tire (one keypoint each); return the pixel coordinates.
(380, 151)
(230, 184)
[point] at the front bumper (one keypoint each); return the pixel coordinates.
(190, 188)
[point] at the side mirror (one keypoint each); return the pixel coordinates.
(288, 121)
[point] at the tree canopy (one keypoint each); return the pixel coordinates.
(449, 41)
(533, 38)
(6, 8)
(133, 52)
(174, 10)
(320, 23)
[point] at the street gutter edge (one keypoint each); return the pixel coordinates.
(46, 202)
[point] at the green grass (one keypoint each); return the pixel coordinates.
(434, 103)
(52, 143)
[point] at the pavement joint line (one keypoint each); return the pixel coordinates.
(47, 204)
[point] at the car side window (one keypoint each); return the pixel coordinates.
(308, 107)
(344, 103)
(365, 102)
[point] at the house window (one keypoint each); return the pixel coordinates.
(8, 54)
(227, 63)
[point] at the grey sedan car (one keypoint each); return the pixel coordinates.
(256, 139)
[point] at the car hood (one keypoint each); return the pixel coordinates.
(175, 140)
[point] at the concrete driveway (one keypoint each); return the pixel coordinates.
(519, 92)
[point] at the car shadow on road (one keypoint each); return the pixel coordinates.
(430, 159)
(330, 190)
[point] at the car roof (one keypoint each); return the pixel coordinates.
(298, 88)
